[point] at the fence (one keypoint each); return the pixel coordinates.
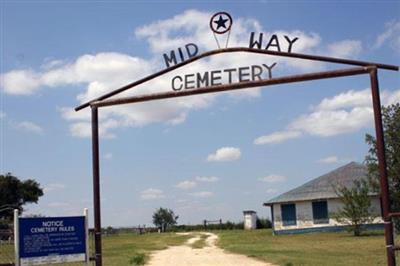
(7, 254)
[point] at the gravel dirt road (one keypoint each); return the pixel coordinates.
(210, 255)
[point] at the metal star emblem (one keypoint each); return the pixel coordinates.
(220, 22)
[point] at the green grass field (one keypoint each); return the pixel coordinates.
(307, 249)
(120, 249)
(6, 252)
(201, 243)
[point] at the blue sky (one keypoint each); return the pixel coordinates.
(206, 157)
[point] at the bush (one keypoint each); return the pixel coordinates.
(138, 259)
(263, 223)
(5, 224)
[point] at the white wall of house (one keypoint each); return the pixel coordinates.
(304, 214)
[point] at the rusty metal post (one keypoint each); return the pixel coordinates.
(96, 186)
(380, 144)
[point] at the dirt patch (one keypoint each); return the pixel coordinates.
(209, 255)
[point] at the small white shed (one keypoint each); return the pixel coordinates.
(250, 220)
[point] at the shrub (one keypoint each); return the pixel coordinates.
(263, 223)
(138, 259)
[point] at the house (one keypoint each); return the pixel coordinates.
(307, 208)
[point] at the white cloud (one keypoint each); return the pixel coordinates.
(51, 64)
(346, 99)
(277, 137)
(273, 179)
(161, 34)
(29, 127)
(209, 179)
(187, 184)
(346, 112)
(81, 129)
(272, 190)
(108, 156)
(344, 49)
(20, 82)
(329, 159)
(391, 35)
(2, 115)
(58, 205)
(102, 72)
(391, 97)
(54, 186)
(224, 154)
(152, 194)
(330, 123)
(202, 194)
(84, 129)
(334, 160)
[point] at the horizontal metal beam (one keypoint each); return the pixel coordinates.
(239, 49)
(235, 86)
(394, 214)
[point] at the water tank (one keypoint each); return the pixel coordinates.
(250, 220)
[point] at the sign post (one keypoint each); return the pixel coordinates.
(16, 237)
(86, 214)
(48, 240)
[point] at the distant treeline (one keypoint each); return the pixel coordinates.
(262, 223)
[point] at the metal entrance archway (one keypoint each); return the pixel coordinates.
(363, 67)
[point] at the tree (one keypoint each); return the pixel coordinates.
(391, 128)
(164, 218)
(262, 223)
(356, 209)
(15, 193)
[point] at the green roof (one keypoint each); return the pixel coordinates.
(323, 187)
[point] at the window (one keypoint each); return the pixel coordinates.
(320, 212)
(288, 214)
